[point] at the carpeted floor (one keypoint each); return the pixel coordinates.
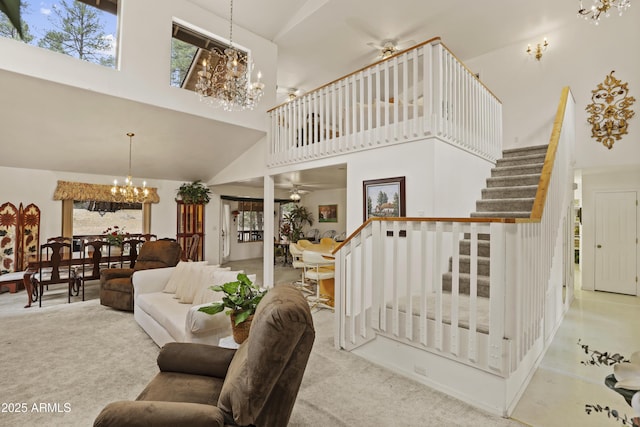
(65, 362)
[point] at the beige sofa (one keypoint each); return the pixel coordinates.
(166, 302)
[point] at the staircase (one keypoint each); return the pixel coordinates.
(510, 193)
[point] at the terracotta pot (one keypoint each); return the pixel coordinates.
(241, 331)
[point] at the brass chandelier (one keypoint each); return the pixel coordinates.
(602, 8)
(129, 193)
(225, 78)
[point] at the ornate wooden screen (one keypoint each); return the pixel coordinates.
(19, 236)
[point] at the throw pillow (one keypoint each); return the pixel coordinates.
(186, 280)
(175, 278)
(198, 278)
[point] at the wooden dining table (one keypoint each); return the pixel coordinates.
(85, 266)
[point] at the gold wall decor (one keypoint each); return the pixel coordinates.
(610, 110)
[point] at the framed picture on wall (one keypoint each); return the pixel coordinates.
(384, 198)
(328, 213)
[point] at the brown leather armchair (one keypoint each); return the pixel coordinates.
(116, 289)
(204, 385)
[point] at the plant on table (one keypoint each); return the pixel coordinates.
(241, 297)
(115, 235)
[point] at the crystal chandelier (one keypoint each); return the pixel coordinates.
(129, 193)
(225, 78)
(600, 7)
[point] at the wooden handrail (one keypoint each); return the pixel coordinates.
(433, 40)
(420, 219)
(549, 160)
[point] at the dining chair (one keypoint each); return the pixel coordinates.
(317, 268)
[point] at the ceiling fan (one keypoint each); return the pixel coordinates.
(388, 47)
(291, 92)
(296, 193)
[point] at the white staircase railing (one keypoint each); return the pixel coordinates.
(418, 93)
(389, 276)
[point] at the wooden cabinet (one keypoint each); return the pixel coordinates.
(190, 221)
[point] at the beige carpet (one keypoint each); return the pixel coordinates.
(78, 357)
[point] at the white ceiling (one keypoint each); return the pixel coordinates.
(318, 41)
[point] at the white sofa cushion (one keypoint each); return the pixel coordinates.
(220, 277)
(189, 282)
(166, 311)
(179, 276)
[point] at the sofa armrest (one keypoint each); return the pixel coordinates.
(195, 359)
(199, 322)
(115, 273)
(153, 280)
(159, 414)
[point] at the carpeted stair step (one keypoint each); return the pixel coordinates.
(483, 248)
(465, 265)
(521, 160)
(513, 181)
(505, 205)
(516, 170)
(465, 284)
(501, 214)
(525, 151)
(517, 192)
(481, 236)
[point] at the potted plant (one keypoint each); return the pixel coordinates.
(296, 218)
(115, 236)
(194, 193)
(241, 298)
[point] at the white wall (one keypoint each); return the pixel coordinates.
(593, 181)
(37, 186)
(580, 56)
(440, 180)
(144, 60)
(314, 199)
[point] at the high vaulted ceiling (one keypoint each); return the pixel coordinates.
(318, 41)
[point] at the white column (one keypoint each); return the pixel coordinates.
(268, 235)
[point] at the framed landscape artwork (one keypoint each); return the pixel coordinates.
(384, 198)
(328, 213)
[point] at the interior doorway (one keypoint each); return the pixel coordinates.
(616, 238)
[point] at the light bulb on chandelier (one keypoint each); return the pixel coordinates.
(225, 78)
(129, 193)
(601, 8)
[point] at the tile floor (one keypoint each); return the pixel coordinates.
(562, 385)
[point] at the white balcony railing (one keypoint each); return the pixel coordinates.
(418, 93)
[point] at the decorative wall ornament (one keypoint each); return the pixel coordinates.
(610, 110)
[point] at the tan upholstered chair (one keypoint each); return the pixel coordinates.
(116, 289)
(204, 385)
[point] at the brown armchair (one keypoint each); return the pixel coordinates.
(203, 385)
(116, 289)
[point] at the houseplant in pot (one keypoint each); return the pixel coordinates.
(296, 218)
(241, 297)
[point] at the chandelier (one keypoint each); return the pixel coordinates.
(129, 193)
(225, 78)
(600, 7)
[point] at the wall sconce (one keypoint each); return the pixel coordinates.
(540, 47)
(235, 215)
